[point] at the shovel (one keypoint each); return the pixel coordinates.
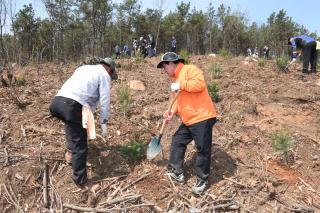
(155, 147)
(286, 69)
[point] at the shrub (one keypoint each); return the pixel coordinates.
(185, 55)
(281, 142)
(281, 63)
(213, 90)
(215, 70)
(124, 66)
(134, 150)
(124, 96)
(261, 62)
(20, 81)
(139, 58)
(224, 53)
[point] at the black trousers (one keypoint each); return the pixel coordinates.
(70, 112)
(310, 55)
(201, 133)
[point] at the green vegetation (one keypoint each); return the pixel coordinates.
(213, 90)
(261, 62)
(21, 81)
(124, 65)
(224, 53)
(134, 150)
(282, 63)
(124, 97)
(281, 142)
(215, 70)
(198, 31)
(185, 55)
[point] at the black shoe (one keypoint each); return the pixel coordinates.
(304, 71)
(313, 71)
(176, 177)
(200, 186)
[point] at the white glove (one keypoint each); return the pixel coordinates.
(294, 59)
(104, 130)
(175, 87)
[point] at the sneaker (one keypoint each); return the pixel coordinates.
(200, 186)
(176, 177)
(68, 157)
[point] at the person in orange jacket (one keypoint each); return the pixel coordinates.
(198, 115)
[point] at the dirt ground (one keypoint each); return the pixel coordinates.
(247, 174)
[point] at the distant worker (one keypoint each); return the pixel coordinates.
(126, 50)
(266, 52)
(198, 115)
(117, 51)
(307, 45)
(134, 46)
(249, 52)
(151, 46)
(80, 94)
(256, 52)
(142, 46)
(173, 44)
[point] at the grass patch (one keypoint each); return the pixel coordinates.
(261, 62)
(281, 142)
(124, 97)
(135, 150)
(215, 70)
(21, 81)
(224, 53)
(213, 90)
(281, 63)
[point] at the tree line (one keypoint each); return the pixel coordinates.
(75, 29)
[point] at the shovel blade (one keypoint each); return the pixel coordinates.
(154, 148)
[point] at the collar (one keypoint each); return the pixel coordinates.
(178, 69)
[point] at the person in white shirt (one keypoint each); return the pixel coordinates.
(88, 86)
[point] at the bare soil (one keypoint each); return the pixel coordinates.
(247, 174)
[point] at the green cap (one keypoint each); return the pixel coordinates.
(169, 56)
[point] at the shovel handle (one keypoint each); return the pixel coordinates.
(164, 123)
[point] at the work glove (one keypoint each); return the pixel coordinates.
(175, 87)
(104, 130)
(167, 115)
(293, 60)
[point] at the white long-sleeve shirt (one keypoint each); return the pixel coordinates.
(89, 85)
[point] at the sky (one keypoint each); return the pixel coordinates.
(302, 12)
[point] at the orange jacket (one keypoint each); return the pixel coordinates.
(194, 103)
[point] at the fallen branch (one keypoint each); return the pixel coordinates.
(120, 199)
(306, 184)
(137, 180)
(12, 197)
(23, 131)
(29, 157)
(45, 185)
(233, 181)
(7, 156)
(2, 134)
(43, 130)
(221, 206)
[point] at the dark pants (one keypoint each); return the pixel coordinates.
(70, 112)
(310, 55)
(201, 133)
